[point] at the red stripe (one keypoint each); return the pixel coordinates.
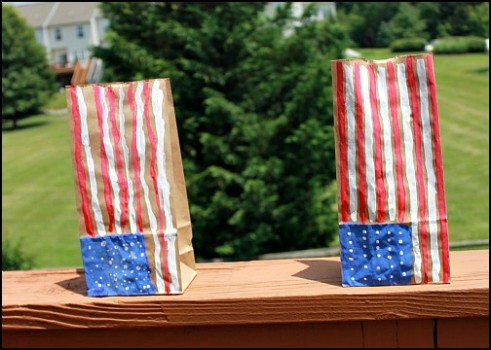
(420, 180)
(153, 160)
(393, 104)
(136, 163)
(360, 148)
(119, 159)
(442, 210)
(79, 165)
(104, 164)
(341, 108)
(379, 167)
(153, 175)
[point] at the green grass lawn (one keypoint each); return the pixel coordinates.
(38, 198)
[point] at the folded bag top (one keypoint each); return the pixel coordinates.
(134, 222)
(391, 200)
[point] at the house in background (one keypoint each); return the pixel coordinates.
(67, 30)
(323, 10)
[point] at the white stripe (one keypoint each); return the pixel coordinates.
(96, 208)
(430, 171)
(110, 158)
(387, 135)
(369, 162)
(351, 136)
(410, 172)
(126, 154)
(140, 146)
(163, 184)
(170, 241)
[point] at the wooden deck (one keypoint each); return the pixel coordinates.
(279, 303)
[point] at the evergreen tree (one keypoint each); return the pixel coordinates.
(461, 18)
(383, 35)
(365, 19)
(26, 78)
(466, 18)
(254, 112)
(407, 23)
(479, 20)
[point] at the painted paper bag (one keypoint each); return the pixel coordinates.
(391, 199)
(134, 222)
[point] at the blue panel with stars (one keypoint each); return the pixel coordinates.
(376, 254)
(116, 265)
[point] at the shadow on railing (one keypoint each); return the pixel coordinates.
(76, 284)
(325, 271)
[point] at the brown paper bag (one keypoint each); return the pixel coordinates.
(134, 222)
(392, 209)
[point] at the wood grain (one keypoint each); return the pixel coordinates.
(380, 334)
(303, 335)
(412, 333)
(244, 293)
(416, 333)
(463, 332)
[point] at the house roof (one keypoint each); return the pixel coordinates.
(35, 13)
(74, 12)
(58, 13)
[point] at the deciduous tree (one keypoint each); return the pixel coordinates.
(26, 78)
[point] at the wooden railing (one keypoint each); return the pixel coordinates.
(280, 303)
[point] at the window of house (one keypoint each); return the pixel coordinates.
(58, 33)
(80, 31)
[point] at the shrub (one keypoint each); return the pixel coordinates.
(409, 44)
(13, 258)
(475, 43)
(459, 44)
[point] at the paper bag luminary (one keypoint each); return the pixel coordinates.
(391, 200)
(134, 222)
